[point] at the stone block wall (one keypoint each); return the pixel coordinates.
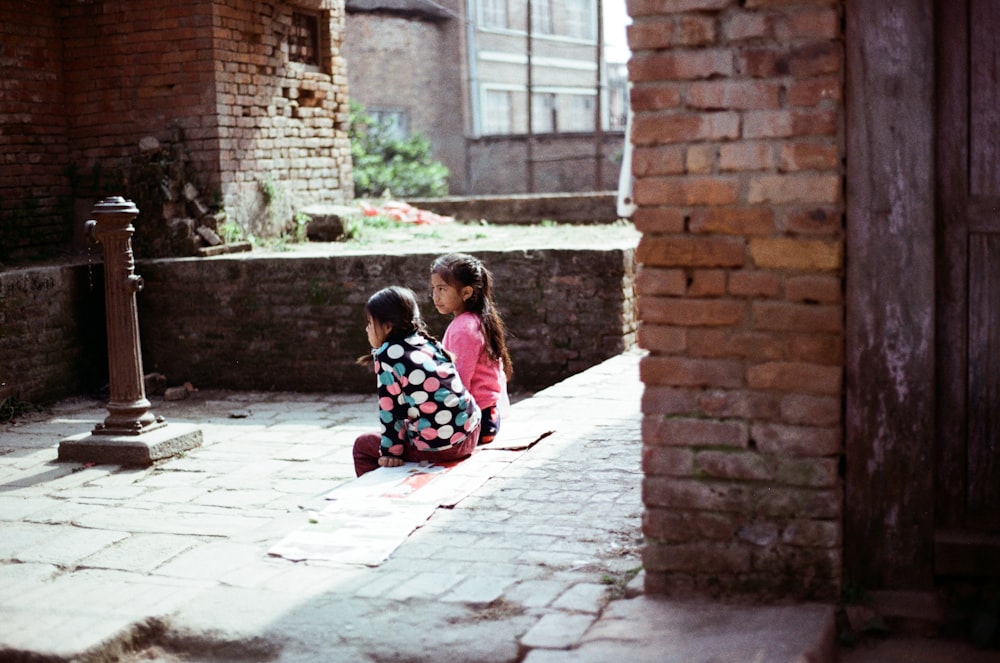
(738, 137)
(276, 323)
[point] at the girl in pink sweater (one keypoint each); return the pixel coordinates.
(462, 286)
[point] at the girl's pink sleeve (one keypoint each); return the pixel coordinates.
(464, 340)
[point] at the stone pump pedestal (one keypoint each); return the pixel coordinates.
(131, 434)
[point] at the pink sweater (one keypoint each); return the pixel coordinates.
(483, 377)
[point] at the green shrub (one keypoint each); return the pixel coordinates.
(384, 164)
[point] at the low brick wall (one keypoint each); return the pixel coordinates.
(297, 323)
(248, 321)
(52, 332)
(576, 208)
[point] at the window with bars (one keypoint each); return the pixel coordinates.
(496, 112)
(581, 19)
(541, 16)
(494, 13)
(303, 39)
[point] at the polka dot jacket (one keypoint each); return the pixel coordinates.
(421, 398)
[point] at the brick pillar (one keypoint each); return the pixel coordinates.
(738, 146)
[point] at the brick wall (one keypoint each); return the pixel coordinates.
(279, 323)
(34, 192)
(52, 327)
(738, 137)
(282, 135)
(84, 83)
(250, 322)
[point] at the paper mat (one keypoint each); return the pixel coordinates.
(363, 520)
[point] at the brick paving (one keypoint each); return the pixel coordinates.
(170, 562)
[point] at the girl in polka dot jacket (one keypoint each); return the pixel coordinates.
(425, 410)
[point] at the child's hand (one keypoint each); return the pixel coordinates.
(389, 461)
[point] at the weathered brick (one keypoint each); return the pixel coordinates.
(796, 377)
(796, 502)
(812, 533)
(679, 526)
(654, 281)
(707, 283)
(682, 432)
(732, 221)
(786, 316)
(756, 346)
(814, 289)
(689, 191)
(687, 494)
(743, 25)
(785, 123)
(808, 472)
(691, 252)
(786, 440)
(813, 92)
(816, 59)
(658, 220)
(651, 33)
(700, 159)
(809, 23)
(738, 466)
(727, 95)
(809, 410)
(668, 400)
(660, 128)
(808, 156)
(683, 372)
(746, 155)
(655, 96)
(817, 348)
(799, 254)
(746, 283)
(690, 312)
(638, 8)
(695, 30)
(662, 339)
(794, 188)
(666, 461)
(720, 558)
(683, 65)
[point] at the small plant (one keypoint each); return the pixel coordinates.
(301, 226)
(270, 190)
(12, 408)
(383, 161)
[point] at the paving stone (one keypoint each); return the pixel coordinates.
(141, 552)
(584, 597)
(479, 589)
(557, 630)
(65, 546)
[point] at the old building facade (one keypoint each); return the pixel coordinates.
(460, 74)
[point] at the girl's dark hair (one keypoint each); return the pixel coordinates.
(460, 270)
(396, 306)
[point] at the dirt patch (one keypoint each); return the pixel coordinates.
(468, 237)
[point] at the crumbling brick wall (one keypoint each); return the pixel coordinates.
(249, 100)
(738, 137)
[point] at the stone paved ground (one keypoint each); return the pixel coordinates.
(174, 556)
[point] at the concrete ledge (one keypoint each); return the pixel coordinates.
(579, 208)
(143, 450)
(648, 629)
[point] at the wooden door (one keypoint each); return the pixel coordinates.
(967, 532)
